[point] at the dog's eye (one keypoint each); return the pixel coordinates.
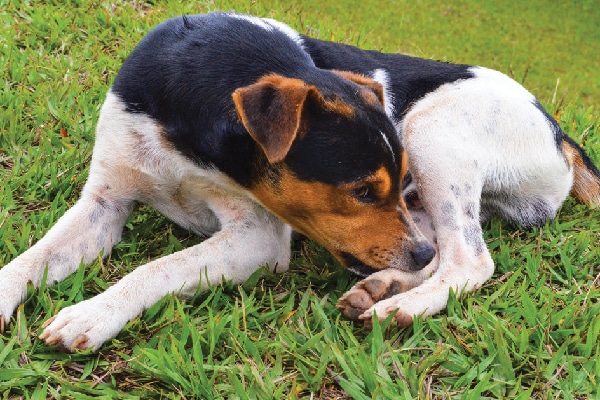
(364, 194)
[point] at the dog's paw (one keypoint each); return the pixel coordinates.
(386, 307)
(86, 325)
(366, 293)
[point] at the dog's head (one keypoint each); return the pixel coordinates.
(332, 168)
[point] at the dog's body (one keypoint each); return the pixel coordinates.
(224, 124)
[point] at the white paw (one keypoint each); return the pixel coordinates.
(85, 325)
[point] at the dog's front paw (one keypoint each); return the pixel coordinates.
(366, 293)
(85, 325)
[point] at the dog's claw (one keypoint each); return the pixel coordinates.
(45, 324)
(401, 319)
(50, 339)
(81, 342)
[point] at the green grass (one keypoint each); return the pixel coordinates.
(531, 332)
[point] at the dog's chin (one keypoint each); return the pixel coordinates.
(356, 266)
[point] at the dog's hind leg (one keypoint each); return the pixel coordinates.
(464, 262)
(477, 148)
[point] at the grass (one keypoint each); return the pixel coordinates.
(531, 332)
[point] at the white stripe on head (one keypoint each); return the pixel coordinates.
(387, 142)
(381, 76)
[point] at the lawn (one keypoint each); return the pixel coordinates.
(531, 332)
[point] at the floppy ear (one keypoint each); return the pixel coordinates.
(362, 80)
(271, 111)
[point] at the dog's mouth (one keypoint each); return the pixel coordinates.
(355, 265)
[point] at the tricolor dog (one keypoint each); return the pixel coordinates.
(224, 124)
(237, 128)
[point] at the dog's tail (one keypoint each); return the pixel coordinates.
(586, 177)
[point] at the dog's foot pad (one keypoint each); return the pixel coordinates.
(365, 294)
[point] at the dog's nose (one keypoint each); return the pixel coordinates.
(422, 255)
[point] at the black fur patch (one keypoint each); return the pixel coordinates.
(355, 265)
(473, 237)
(449, 217)
(559, 135)
(410, 78)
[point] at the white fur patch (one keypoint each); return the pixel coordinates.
(387, 142)
(269, 25)
(381, 76)
(474, 145)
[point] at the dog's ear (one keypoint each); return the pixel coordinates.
(371, 84)
(271, 111)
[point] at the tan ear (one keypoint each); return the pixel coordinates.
(371, 84)
(271, 111)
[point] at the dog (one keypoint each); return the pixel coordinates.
(477, 145)
(239, 128)
(223, 123)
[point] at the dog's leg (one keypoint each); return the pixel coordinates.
(250, 237)
(450, 178)
(90, 228)
(464, 263)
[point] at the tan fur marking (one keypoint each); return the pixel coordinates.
(381, 182)
(373, 233)
(404, 164)
(586, 186)
(374, 86)
(271, 110)
(338, 106)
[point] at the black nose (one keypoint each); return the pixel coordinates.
(422, 255)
